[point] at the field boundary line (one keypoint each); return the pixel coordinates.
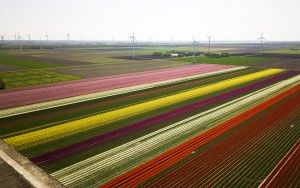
(284, 160)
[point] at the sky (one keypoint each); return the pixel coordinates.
(180, 20)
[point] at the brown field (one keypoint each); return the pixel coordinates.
(282, 63)
(62, 62)
(6, 68)
(97, 70)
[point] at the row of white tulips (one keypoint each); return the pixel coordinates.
(138, 151)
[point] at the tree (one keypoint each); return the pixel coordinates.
(225, 54)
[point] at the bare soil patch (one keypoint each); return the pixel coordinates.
(62, 62)
(271, 55)
(97, 70)
(139, 57)
(7, 68)
(282, 63)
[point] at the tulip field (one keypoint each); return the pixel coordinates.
(201, 125)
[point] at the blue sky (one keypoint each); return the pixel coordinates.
(158, 19)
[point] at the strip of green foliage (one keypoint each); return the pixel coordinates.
(187, 53)
(232, 60)
(33, 77)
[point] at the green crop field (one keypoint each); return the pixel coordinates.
(33, 77)
(233, 60)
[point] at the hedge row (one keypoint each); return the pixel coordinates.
(190, 53)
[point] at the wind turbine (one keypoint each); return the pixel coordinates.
(15, 36)
(194, 46)
(16, 41)
(2, 41)
(132, 44)
(19, 39)
(261, 38)
(28, 42)
(209, 39)
(47, 37)
(68, 38)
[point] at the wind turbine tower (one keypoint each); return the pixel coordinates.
(20, 40)
(194, 47)
(16, 40)
(261, 38)
(47, 37)
(28, 42)
(68, 38)
(15, 36)
(132, 44)
(209, 40)
(2, 41)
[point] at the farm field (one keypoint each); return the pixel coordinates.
(162, 127)
(73, 64)
(8, 59)
(265, 60)
(67, 64)
(233, 60)
(158, 94)
(296, 50)
(283, 63)
(33, 77)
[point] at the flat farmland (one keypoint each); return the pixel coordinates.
(75, 63)
(265, 60)
(95, 117)
(144, 128)
(283, 63)
(292, 50)
(7, 68)
(33, 77)
(104, 61)
(233, 60)
(126, 94)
